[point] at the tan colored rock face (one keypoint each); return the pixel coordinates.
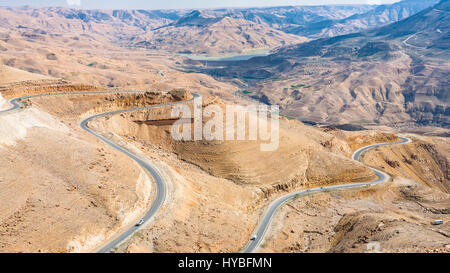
(425, 161)
(3, 103)
(9, 75)
(243, 161)
(218, 190)
(59, 188)
(223, 36)
(378, 219)
(372, 220)
(63, 190)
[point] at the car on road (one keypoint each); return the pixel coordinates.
(321, 188)
(438, 222)
(140, 223)
(254, 237)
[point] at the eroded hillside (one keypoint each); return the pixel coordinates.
(196, 33)
(395, 75)
(380, 219)
(62, 189)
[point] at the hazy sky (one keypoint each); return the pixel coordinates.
(179, 4)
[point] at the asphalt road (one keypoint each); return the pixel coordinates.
(152, 170)
(161, 186)
(275, 205)
(16, 102)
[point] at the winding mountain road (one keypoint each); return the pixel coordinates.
(153, 170)
(161, 185)
(275, 205)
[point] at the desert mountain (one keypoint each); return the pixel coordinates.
(62, 189)
(201, 33)
(393, 75)
(287, 17)
(325, 21)
(205, 30)
(218, 31)
(113, 25)
(379, 16)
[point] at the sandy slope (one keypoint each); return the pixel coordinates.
(46, 205)
(220, 188)
(11, 75)
(223, 35)
(85, 191)
(379, 219)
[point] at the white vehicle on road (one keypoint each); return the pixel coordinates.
(254, 237)
(140, 222)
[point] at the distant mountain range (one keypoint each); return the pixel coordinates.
(284, 18)
(219, 31)
(201, 33)
(390, 74)
(379, 16)
(395, 74)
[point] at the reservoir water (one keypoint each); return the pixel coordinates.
(228, 58)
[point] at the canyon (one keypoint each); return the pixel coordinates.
(345, 77)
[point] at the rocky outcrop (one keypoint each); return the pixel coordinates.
(198, 33)
(423, 161)
(25, 88)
